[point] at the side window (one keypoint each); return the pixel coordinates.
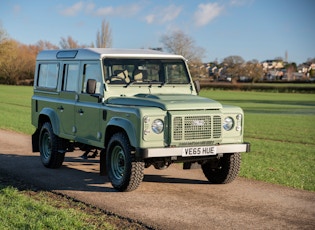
(92, 71)
(70, 78)
(48, 75)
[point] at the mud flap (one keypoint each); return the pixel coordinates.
(35, 141)
(103, 171)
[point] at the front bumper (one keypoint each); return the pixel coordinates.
(177, 151)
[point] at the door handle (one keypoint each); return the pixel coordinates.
(60, 108)
(80, 111)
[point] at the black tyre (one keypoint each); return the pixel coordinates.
(224, 171)
(123, 171)
(49, 146)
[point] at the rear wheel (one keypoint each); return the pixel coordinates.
(49, 144)
(223, 170)
(123, 171)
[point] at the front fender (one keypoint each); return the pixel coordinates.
(127, 126)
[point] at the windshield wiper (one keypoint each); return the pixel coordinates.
(146, 82)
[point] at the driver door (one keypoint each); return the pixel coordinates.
(88, 107)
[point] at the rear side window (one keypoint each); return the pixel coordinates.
(48, 75)
(71, 74)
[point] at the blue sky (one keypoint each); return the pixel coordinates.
(252, 29)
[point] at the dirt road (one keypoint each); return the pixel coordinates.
(166, 199)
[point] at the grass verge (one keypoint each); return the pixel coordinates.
(26, 207)
(285, 163)
(18, 211)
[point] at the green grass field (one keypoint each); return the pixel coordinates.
(15, 104)
(279, 126)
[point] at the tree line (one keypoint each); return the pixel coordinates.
(17, 60)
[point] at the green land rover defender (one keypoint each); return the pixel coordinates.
(138, 108)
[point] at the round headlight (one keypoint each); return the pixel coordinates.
(228, 123)
(157, 126)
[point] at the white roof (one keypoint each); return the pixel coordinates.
(99, 53)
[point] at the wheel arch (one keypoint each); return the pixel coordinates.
(49, 115)
(121, 125)
(46, 115)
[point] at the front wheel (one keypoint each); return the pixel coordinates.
(223, 170)
(123, 171)
(49, 144)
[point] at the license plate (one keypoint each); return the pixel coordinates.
(199, 151)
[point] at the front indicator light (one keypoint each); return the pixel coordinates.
(239, 122)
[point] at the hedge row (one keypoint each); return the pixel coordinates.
(261, 87)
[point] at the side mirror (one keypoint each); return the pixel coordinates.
(91, 86)
(197, 86)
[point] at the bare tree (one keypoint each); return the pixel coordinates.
(70, 43)
(254, 70)
(3, 34)
(4, 44)
(233, 60)
(104, 37)
(180, 43)
(234, 66)
(45, 45)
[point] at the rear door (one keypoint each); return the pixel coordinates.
(68, 97)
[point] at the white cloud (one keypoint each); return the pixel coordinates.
(240, 2)
(89, 8)
(207, 12)
(164, 15)
(120, 11)
(150, 18)
(72, 10)
(105, 11)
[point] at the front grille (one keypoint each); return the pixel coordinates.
(197, 127)
(187, 128)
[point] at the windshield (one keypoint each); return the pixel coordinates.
(144, 71)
